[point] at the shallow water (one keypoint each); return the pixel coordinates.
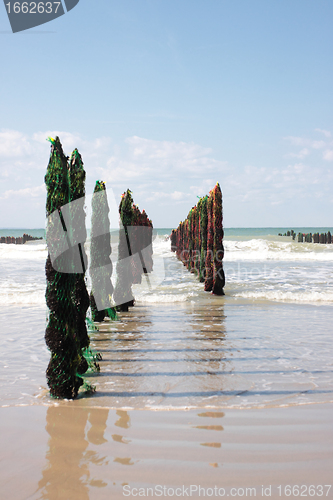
(211, 353)
(267, 342)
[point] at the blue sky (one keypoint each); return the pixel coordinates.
(167, 97)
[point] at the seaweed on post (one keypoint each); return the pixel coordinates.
(123, 296)
(209, 279)
(60, 335)
(219, 278)
(77, 177)
(198, 241)
(134, 251)
(147, 242)
(203, 238)
(136, 244)
(173, 239)
(100, 268)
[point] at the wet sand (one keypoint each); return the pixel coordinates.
(67, 452)
(213, 394)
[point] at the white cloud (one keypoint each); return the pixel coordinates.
(69, 141)
(318, 144)
(153, 161)
(295, 141)
(304, 141)
(176, 196)
(301, 154)
(203, 188)
(328, 155)
(326, 133)
(14, 144)
(29, 192)
(166, 174)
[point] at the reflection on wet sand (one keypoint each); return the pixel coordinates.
(174, 448)
(67, 472)
(210, 427)
(211, 414)
(120, 439)
(98, 421)
(124, 461)
(192, 356)
(67, 443)
(124, 420)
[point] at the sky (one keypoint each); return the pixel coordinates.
(168, 97)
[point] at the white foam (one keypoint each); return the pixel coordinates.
(23, 252)
(308, 297)
(309, 280)
(27, 297)
(261, 250)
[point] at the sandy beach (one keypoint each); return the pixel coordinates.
(135, 435)
(197, 395)
(66, 452)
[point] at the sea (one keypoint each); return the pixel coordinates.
(266, 343)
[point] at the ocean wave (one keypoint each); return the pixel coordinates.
(31, 297)
(308, 297)
(23, 252)
(261, 250)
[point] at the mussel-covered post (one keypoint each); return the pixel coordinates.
(123, 296)
(198, 241)
(209, 279)
(134, 250)
(100, 268)
(219, 278)
(61, 336)
(203, 237)
(77, 178)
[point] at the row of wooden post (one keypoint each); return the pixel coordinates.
(135, 236)
(66, 295)
(198, 241)
(323, 238)
(20, 240)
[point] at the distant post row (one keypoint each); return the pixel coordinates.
(322, 238)
(19, 240)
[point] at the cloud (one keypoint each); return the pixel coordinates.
(326, 133)
(318, 150)
(156, 168)
(175, 196)
(14, 144)
(69, 141)
(301, 154)
(165, 174)
(308, 143)
(318, 144)
(29, 192)
(152, 161)
(328, 155)
(295, 141)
